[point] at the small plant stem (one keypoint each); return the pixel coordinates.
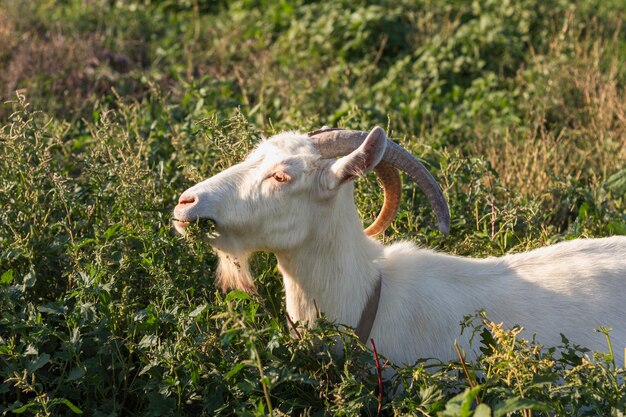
(293, 326)
(610, 345)
(421, 410)
(606, 332)
(381, 48)
(380, 378)
(266, 392)
(467, 374)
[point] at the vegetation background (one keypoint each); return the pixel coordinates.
(111, 108)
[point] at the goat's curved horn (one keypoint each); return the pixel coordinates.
(392, 196)
(339, 142)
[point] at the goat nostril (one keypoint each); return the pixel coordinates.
(186, 199)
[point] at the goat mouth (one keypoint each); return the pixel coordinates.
(207, 225)
(180, 223)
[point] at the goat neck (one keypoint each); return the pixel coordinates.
(335, 269)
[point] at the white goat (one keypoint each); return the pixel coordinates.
(293, 198)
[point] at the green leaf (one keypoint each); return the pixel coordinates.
(488, 342)
(38, 363)
(23, 408)
(466, 407)
(235, 370)
(7, 277)
(237, 295)
(482, 410)
(515, 404)
(30, 279)
(617, 227)
(52, 308)
(461, 404)
(198, 311)
(69, 404)
(76, 373)
(112, 231)
(617, 182)
(540, 381)
(31, 350)
(148, 340)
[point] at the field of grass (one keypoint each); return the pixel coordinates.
(110, 109)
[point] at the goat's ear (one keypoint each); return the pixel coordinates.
(361, 161)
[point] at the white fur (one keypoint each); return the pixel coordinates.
(328, 264)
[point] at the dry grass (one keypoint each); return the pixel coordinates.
(72, 68)
(585, 97)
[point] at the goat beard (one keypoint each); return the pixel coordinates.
(233, 272)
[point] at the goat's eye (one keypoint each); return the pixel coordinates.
(280, 176)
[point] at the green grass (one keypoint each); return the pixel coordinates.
(111, 109)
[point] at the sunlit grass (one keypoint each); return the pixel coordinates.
(120, 107)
